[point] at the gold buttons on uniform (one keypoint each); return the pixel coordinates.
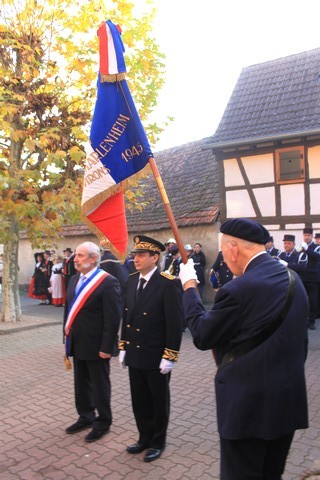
(138, 346)
(128, 326)
(128, 343)
(144, 313)
(138, 330)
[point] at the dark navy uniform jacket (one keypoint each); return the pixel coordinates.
(297, 261)
(311, 273)
(152, 325)
(263, 393)
(96, 325)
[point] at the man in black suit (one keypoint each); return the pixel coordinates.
(257, 329)
(91, 323)
(149, 345)
(289, 257)
(310, 276)
(68, 266)
(110, 264)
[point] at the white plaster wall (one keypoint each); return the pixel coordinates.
(315, 199)
(292, 199)
(266, 201)
(259, 168)
(232, 174)
(238, 204)
(314, 162)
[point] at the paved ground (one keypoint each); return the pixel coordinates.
(36, 404)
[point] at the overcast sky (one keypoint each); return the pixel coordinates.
(208, 42)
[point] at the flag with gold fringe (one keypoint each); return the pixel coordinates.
(118, 147)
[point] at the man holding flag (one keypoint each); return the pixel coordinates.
(91, 323)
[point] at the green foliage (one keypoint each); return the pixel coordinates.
(48, 68)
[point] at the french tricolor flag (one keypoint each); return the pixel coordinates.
(118, 147)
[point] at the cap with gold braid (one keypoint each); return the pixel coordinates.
(142, 243)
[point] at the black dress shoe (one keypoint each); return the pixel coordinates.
(96, 434)
(152, 454)
(136, 448)
(78, 426)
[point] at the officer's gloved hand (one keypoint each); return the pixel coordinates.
(166, 366)
(304, 245)
(283, 262)
(122, 355)
(187, 272)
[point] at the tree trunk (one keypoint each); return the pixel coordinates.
(11, 306)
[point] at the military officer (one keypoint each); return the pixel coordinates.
(274, 252)
(149, 345)
(297, 261)
(310, 277)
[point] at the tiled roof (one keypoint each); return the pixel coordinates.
(190, 177)
(273, 98)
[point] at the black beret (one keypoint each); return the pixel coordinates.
(245, 229)
(289, 238)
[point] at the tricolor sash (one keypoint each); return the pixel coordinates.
(80, 299)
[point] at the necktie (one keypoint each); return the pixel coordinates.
(141, 284)
(80, 283)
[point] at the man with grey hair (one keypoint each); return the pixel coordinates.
(91, 322)
(257, 329)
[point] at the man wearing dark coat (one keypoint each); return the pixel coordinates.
(310, 276)
(257, 329)
(109, 263)
(91, 323)
(149, 344)
(290, 257)
(68, 266)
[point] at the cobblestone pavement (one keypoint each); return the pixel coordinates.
(37, 403)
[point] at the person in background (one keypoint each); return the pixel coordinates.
(199, 261)
(38, 284)
(129, 263)
(257, 329)
(311, 275)
(271, 249)
(149, 344)
(46, 270)
(188, 249)
(91, 321)
(174, 266)
(221, 271)
(68, 266)
(57, 286)
(289, 257)
(109, 263)
(167, 257)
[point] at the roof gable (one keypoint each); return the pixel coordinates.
(190, 177)
(274, 98)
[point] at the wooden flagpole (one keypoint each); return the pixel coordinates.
(167, 207)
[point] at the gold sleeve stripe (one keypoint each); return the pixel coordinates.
(171, 355)
(121, 345)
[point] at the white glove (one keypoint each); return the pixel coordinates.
(187, 272)
(122, 355)
(283, 262)
(166, 366)
(304, 245)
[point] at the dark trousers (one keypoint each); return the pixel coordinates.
(151, 405)
(254, 459)
(312, 289)
(93, 390)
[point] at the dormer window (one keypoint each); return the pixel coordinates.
(290, 165)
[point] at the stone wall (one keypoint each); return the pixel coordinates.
(208, 236)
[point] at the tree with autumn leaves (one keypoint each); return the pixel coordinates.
(48, 70)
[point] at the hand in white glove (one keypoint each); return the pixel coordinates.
(187, 272)
(166, 366)
(304, 245)
(122, 355)
(283, 262)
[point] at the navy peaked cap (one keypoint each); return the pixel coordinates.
(246, 229)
